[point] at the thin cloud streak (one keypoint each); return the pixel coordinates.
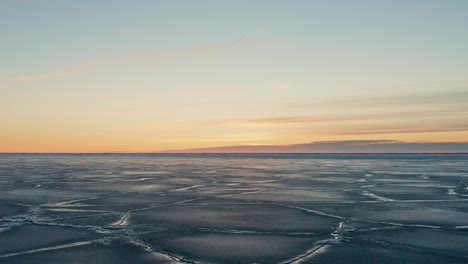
(73, 70)
(285, 120)
(168, 54)
(142, 55)
(373, 131)
(448, 96)
(291, 120)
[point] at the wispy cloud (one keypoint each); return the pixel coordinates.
(396, 130)
(293, 120)
(171, 54)
(448, 95)
(82, 67)
(454, 96)
(72, 70)
(289, 120)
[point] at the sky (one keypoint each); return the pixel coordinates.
(144, 76)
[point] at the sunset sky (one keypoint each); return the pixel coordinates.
(143, 76)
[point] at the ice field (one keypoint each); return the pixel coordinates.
(234, 208)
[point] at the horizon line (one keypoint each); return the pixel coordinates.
(216, 153)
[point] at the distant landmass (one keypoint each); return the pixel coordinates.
(351, 146)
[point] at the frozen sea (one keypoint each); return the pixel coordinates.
(234, 208)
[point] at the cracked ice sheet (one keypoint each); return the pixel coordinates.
(11, 209)
(231, 248)
(29, 237)
(124, 202)
(116, 252)
(403, 192)
(76, 217)
(301, 195)
(439, 241)
(368, 253)
(295, 201)
(42, 195)
(444, 213)
(257, 217)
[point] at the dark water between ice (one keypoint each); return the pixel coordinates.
(154, 208)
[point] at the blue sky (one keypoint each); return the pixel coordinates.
(153, 75)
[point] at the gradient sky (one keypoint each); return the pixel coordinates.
(102, 75)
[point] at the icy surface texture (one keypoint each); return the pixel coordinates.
(182, 208)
